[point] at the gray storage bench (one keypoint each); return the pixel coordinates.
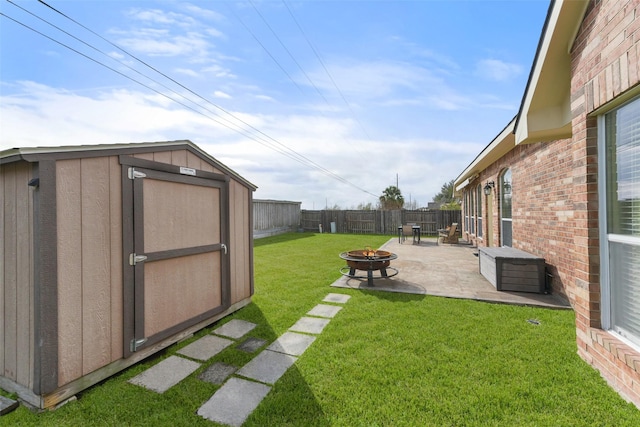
(510, 269)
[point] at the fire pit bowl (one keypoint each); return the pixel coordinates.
(368, 260)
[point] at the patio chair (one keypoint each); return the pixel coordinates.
(449, 234)
(407, 230)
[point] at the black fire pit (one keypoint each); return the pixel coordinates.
(368, 260)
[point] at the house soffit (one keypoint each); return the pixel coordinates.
(501, 145)
(545, 112)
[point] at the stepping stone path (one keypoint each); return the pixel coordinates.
(206, 347)
(166, 374)
(251, 344)
(7, 405)
(242, 389)
(217, 373)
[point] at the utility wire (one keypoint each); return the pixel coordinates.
(137, 81)
(288, 153)
(236, 127)
(289, 52)
(325, 68)
(264, 48)
(298, 155)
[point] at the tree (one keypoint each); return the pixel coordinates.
(365, 206)
(446, 198)
(391, 198)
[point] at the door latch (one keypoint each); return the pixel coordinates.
(133, 174)
(135, 343)
(224, 247)
(134, 259)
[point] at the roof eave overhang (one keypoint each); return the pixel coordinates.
(545, 111)
(501, 145)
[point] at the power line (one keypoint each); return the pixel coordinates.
(295, 155)
(264, 48)
(288, 152)
(289, 52)
(304, 34)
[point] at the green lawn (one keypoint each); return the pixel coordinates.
(386, 359)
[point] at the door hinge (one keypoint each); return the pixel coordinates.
(134, 259)
(135, 343)
(133, 174)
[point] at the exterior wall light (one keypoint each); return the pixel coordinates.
(507, 187)
(488, 188)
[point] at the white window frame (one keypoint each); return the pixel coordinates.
(479, 198)
(605, 285)
(604, 237)
(472, 212)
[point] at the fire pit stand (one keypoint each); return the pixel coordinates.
(368, 260)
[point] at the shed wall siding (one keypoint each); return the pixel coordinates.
(90, 265)
(181, 157)
(78, 208)
(239, 205)
(16, 279)
(90, 291)
(240, 244)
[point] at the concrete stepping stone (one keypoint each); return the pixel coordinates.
(217, 373)
(205, 348)
(337, 298)
(324, 310)
(235, 328)
(251, 344)
(7, 405)
(166, 374)
(267, 367)
(234, 402)
(292, 343)
(310, 325)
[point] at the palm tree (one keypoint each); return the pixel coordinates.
(391, 198)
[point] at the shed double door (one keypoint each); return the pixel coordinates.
(178, 262)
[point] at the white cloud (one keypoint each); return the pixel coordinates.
(44, 116)
(221, 94)
(495, 69)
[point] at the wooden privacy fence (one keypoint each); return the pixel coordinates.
(377, 221)
(274, 217)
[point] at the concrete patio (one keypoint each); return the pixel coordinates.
(445, 270)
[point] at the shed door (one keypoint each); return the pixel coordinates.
(179, 257)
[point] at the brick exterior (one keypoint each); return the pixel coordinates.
(555, 187)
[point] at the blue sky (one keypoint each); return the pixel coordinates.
(357, 94)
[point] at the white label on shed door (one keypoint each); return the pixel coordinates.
(187, 171)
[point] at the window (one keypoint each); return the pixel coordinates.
(479, 210)
(466, 211)
(619, 140)
(472, 212)
(506, 187)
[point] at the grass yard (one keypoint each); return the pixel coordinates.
(386, 359)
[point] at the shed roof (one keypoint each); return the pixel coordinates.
(35, 154)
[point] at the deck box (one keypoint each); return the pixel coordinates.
(510, 269)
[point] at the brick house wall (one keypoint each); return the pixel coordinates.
(605, 65)
(555, 186)
(543, 206)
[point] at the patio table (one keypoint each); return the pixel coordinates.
(416, 233)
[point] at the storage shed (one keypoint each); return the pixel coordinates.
(111, 253)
